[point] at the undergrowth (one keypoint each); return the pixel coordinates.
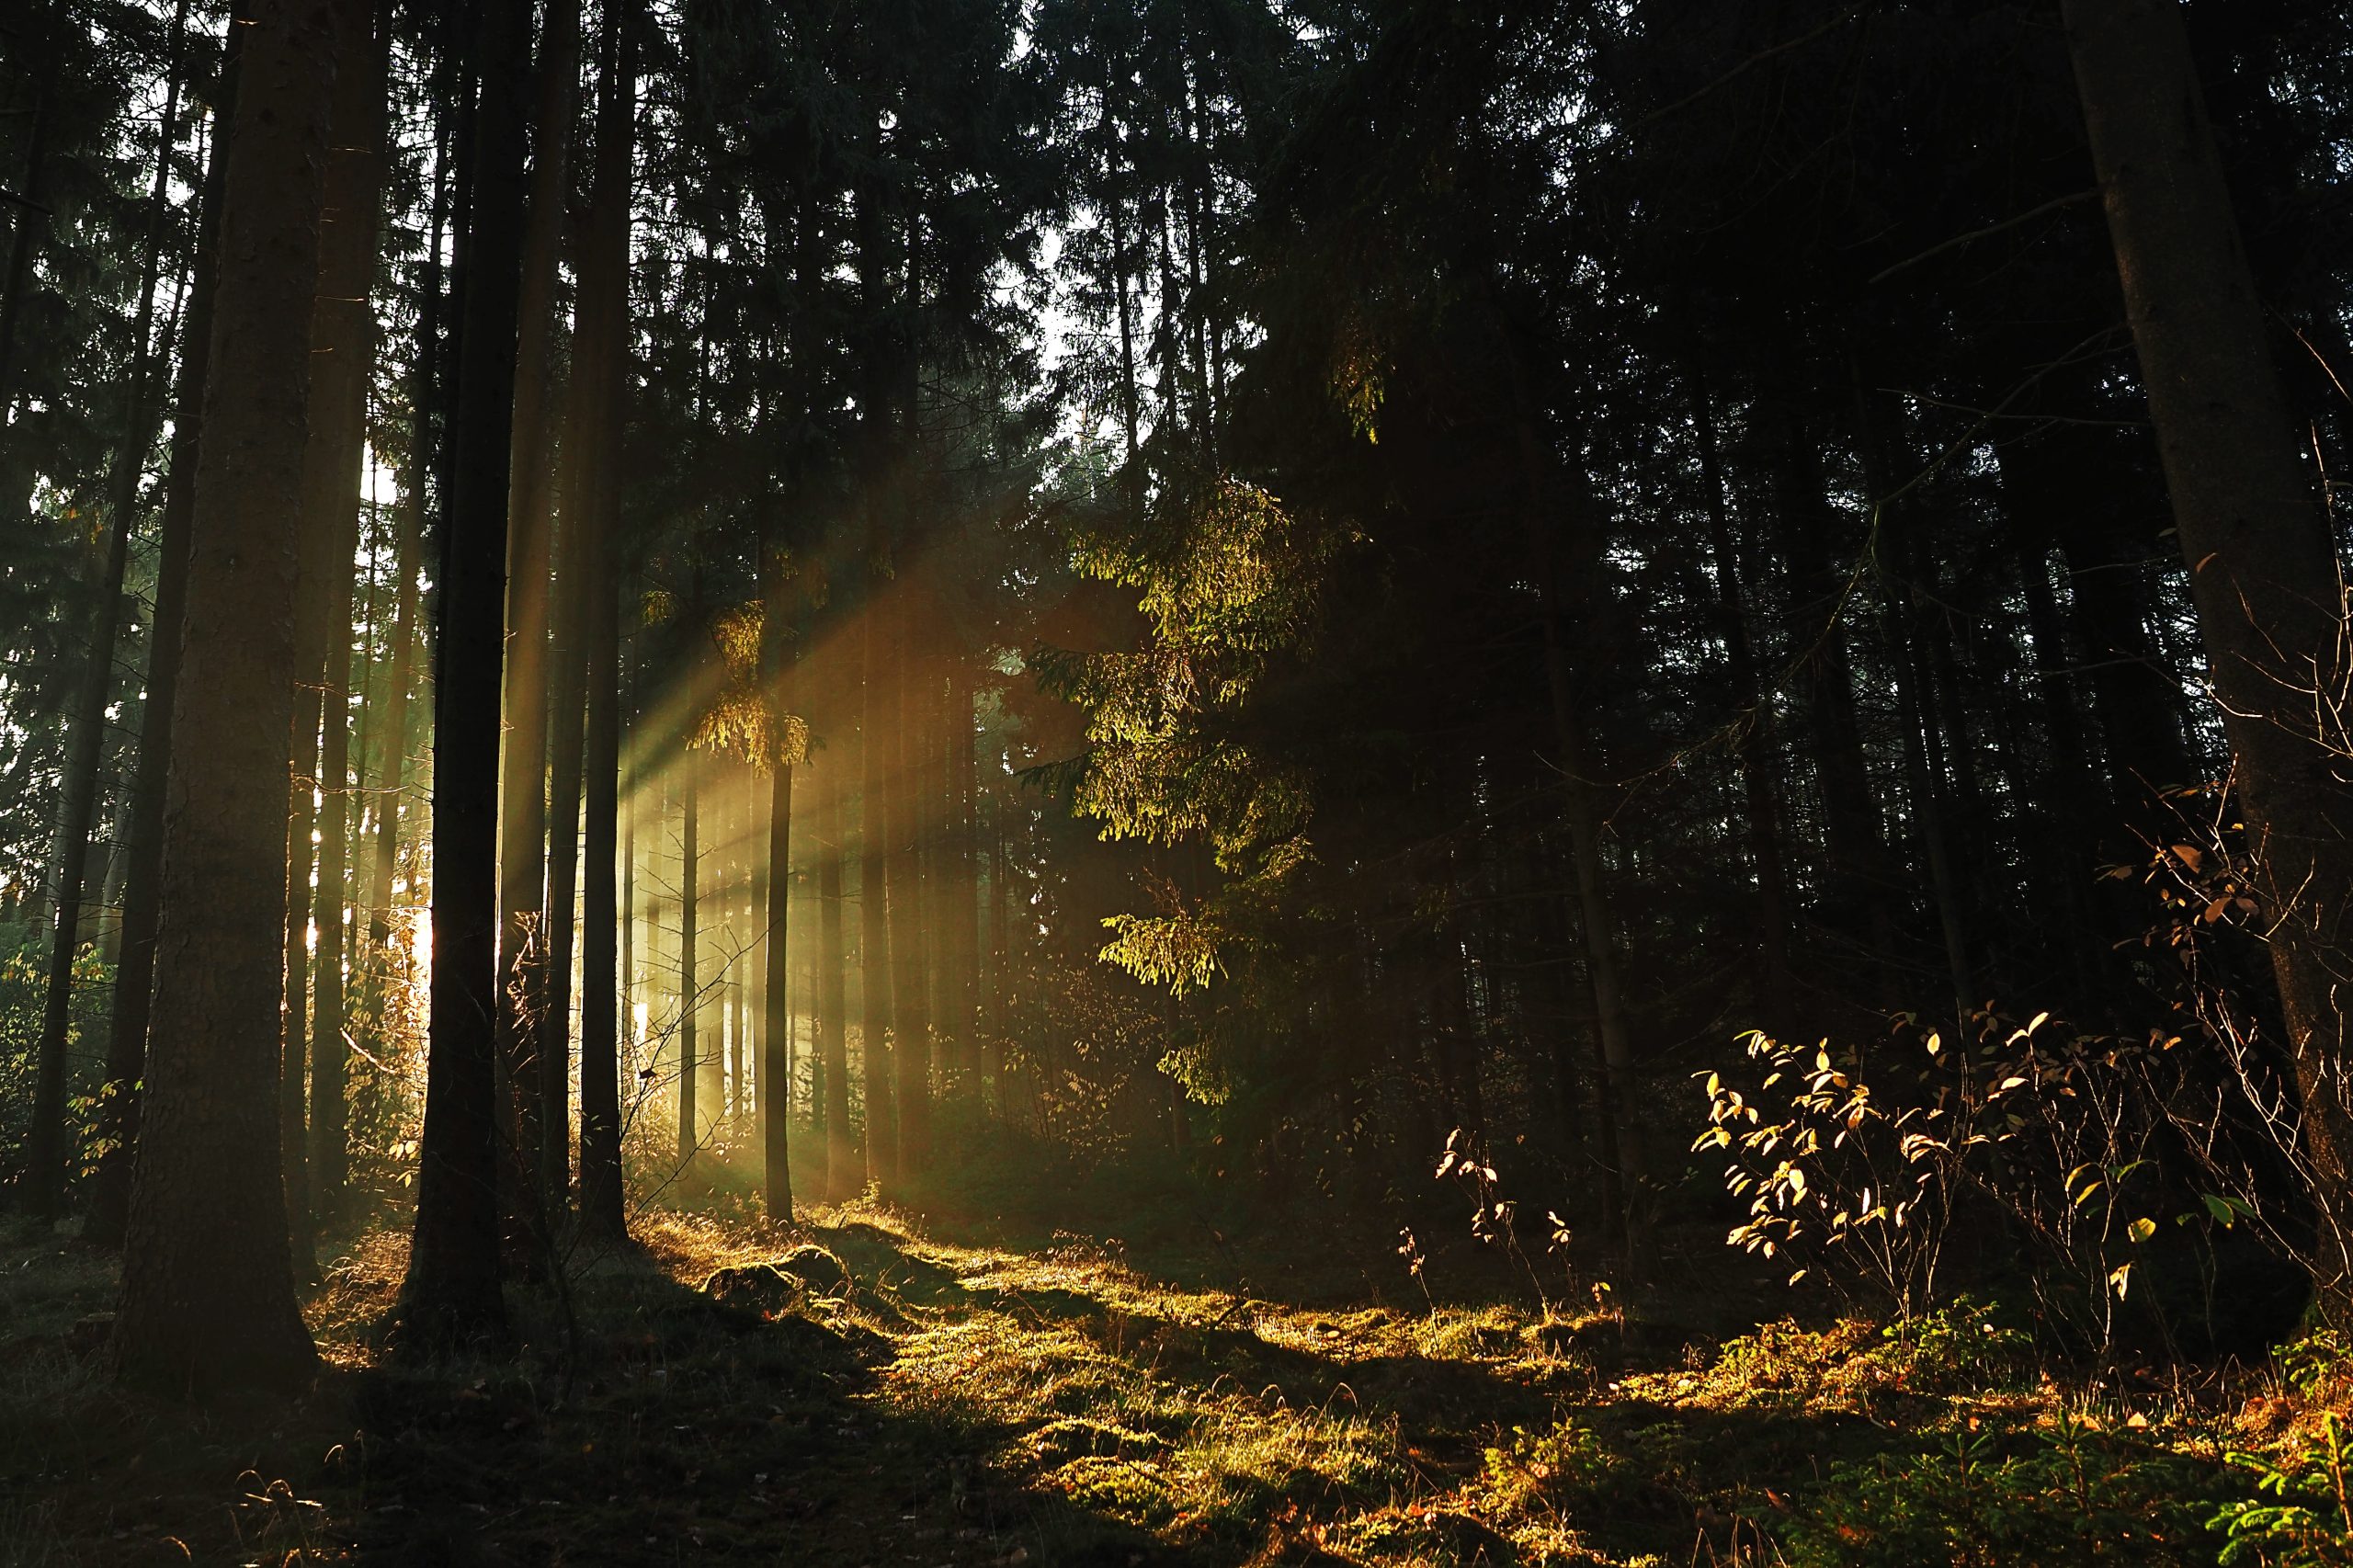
(866, 1388)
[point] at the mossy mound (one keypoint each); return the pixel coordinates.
(755, 1287)
(823, 1273)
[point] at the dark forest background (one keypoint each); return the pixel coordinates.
(1282, 594)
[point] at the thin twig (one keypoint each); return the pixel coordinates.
(1958, 240)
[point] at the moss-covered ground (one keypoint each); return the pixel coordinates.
(867, 1389)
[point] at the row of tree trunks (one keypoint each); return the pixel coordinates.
(689, 1061)
(601, 359)
(32, 212)
(143, 879)
(776, 909)
(2256, 538)
(342, 359)
(425, 381)
(254, 544)
(86, 732)
(845, 1172)
(451, 1292)
(208, 1286)
(525, 1027)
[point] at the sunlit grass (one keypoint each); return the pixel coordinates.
(926, 1392)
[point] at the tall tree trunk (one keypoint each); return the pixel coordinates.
(2109, 546)
(2253, 532)
(998, 994)
(1854, 879)
(2064, 852)
(690, 979)
(776, 1027)
(735, 882)
(631, 987)
(574, 577)
(207, 1281)
(452, 1289)
(607, 943)
(844, 1175)
(424, 386)
(1132, 474)
(342, 329)
(903, 874)
(85, 734)
(601, 363)
(32, 214)
(523, 827)
(962, 900)
(334, 462)
(874, 895)
(1897, 521)
(143, 879)
(602, 356)
(1757, 769)
(1599, 925)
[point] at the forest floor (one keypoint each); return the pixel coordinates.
(871, 1392)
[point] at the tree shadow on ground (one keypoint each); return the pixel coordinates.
(695, 1430)
(650, 1422)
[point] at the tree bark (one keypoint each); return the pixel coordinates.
(964, 893)
(523, 952)
(602, 360)
(408, 557)
(873, 894)
(552, 1048)
(903, 874)
(690, 987)
(844, 1175)
(2253, 532)
(207, 1285)
(776, 1025)
(451, 1293)
(31, 214)
(341, 362)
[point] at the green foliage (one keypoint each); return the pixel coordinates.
(2316, 1363)
(1986, 1497)
(1553, 1471)
(1964, 1346)
(2302, 1514)
(1179, 952)
(23, 978)
(745, 720)
(1229, 581)
(1963, 1349)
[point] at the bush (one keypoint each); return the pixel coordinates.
(2302, 1516)
(2065, 1494)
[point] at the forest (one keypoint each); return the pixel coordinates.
(1176, 782)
